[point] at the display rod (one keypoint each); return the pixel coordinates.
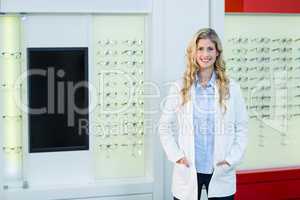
(11, 117)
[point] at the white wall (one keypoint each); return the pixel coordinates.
(75, 6)
(217, 16)
(72, 166)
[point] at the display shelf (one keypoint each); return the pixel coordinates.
(10, 98)
(266, 64)
(118, 128)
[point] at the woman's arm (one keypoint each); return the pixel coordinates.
(168, 126)
(238, 148)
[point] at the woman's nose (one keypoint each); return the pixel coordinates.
(205, 53)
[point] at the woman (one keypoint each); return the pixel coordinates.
(211, 118)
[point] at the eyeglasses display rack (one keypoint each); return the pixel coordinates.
(118, 125)
(117, 135)
(10, 98)
(263, 56)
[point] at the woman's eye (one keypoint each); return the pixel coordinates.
(210, 48)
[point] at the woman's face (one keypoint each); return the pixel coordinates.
(206, 54)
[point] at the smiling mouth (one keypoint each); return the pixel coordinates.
(205, 61)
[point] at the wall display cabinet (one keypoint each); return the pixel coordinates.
(118, 128)
(116, 80)
(10, 98)
(262, 54)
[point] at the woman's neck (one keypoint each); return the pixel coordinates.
(205, 76)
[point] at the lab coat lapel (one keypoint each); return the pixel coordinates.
(191, 109)
(218, 126)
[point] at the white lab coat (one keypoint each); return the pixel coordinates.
(177, 138)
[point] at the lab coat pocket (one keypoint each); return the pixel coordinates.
(182, 173)
(224, 170)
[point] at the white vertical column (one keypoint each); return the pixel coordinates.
(156, 76)
(178, 22)
(217, 16)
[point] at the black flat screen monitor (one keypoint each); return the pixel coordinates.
(58, 99)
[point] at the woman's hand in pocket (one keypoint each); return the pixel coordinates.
(223, 162)
(183, 161)
(224, 167)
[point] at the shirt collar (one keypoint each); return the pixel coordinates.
(211, 81)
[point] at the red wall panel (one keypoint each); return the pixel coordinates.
(280, 190)
(269, 184)
(233, 5)
(263, 6)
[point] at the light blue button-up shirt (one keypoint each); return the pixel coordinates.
(204, 124)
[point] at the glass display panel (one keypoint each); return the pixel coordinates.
(118, 128)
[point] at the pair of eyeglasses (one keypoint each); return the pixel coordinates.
(15, 55)
(260, 50)
(282, 50)
(14, 149)
(282, 59)
(135, 42)
(238, 40)
(132, 52)
(261, 40)
(16, 117)
(135, 148)
(283, 40)
(107, 42)
(107, 53)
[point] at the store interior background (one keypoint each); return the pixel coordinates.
(134, 167)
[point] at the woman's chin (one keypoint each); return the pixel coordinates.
(205, 66)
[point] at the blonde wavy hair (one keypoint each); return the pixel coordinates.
(192, 66)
